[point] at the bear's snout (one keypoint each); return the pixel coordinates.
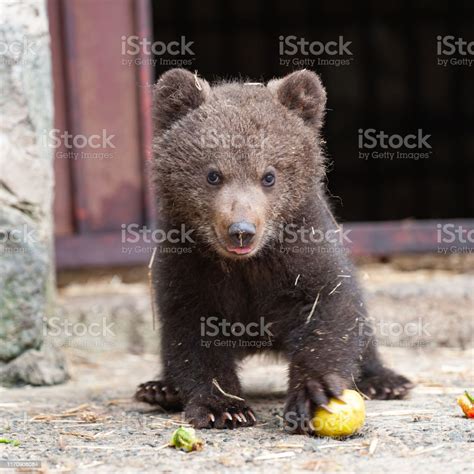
(242, 233)
(239, 219)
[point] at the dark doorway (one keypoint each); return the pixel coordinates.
(391, 81)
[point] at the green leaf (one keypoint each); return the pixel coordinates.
(471, 399)
(13, 442)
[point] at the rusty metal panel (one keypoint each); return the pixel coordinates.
(103, 102)
(99, 250)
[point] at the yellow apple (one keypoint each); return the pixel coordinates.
(347, 418)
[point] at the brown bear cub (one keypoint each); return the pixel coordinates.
(260, 263)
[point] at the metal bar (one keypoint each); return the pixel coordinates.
(145, 79)
(380, 239)
(386, 238)
(63, 199)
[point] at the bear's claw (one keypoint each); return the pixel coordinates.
(159, 393)
(306, 396)
(215, 413)
(386, 385)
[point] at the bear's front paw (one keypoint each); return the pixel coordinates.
(304, 396)
(385, 385)
(211, 411)
(159, 393)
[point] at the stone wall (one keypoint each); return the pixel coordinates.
(26, 191)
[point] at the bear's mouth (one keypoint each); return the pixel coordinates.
(240, 250)
(232, 251)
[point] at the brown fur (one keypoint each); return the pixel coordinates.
(318, 319)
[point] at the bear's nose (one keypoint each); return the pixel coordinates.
(241, 233)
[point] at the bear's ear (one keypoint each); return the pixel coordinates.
(303, 93)
(176, 93)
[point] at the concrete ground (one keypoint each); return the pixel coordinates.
(109, 432)
(90, 424)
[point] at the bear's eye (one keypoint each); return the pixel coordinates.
(213, 177)
(269, 179)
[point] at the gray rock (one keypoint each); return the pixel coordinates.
(26, 191)
(43, 366)
(24, 272)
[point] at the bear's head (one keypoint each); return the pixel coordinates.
(236, 161)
